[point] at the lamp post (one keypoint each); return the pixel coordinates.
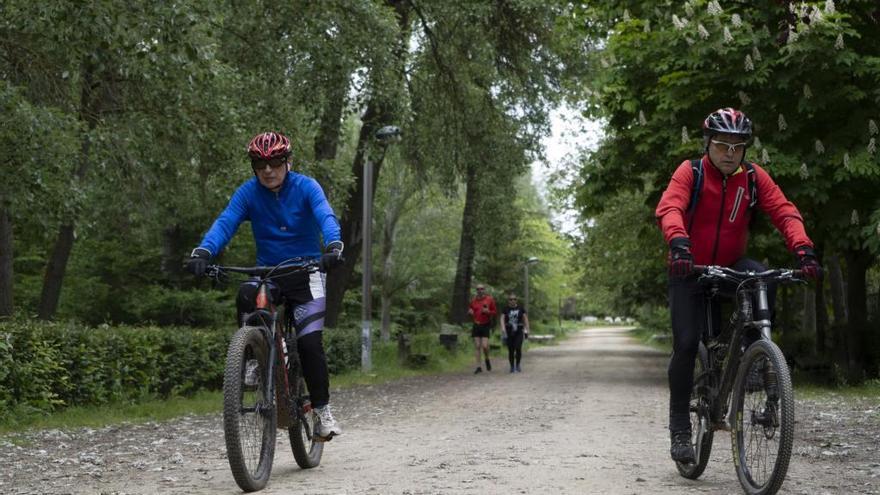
(559, 321)
(530, 261)
(385, 136)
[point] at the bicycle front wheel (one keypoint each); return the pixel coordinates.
(762, 426)
(307, 450)
(701, 421)
(249, 421)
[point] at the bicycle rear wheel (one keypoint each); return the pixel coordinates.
(307, 450)
(762, 426)
(249, 421)
(701, 422)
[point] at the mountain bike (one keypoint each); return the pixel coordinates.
(263, 385)
(742, 382)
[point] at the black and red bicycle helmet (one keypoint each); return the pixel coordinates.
(269, 145)
(727, 121)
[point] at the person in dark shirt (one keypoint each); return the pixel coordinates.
(515, 328)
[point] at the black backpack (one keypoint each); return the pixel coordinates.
(697, 167)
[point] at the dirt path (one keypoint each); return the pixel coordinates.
(587, 416)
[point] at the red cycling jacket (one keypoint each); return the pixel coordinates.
(718, 228)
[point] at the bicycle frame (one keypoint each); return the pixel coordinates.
(745, 318)
(265, 317)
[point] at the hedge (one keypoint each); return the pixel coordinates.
(46, 366)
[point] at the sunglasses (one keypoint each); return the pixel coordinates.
(731, 147)
(481, 288)
(274, 164)
(511, 299)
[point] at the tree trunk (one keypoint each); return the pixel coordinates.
(466, 249)
(838, 294)
(377, 114)
(57, 264)
(808, 321)
(857, 263)
(172, 250)
(5, 261)
(821, 318)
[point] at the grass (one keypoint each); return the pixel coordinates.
(385, 368)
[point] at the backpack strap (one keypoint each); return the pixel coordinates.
(753, 184)
(697, 167)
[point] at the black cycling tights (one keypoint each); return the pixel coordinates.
(514, 348)
(314, 366)
(688, 311)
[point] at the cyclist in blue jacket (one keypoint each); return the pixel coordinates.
(289, 215)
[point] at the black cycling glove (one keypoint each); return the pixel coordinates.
(332, 256)
(681, 261)
(198, 261)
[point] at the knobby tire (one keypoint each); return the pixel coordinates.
(699, 412)
(307, 450)
(752, 434)
(248, 430)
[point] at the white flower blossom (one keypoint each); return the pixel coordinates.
(690, 41)
(714, 8)
(782, 123)
(702, 31)
(829, 6)
(808, 93)
(765, 31)
(626, 17)
(765, 156)
(792, 36)
(749, 66)
(872, 146)
(756, 54)
(802, 10)
(820, 148)
(854, 219)
(846, 161)
(689, 9)
(872, 127)
(727, 36)
(647, 25)
(878, 228)
(757, 143)
(815, 16)
(792, 7)
(804, 172)
(642, 119)
(838, 43)
(679, 23)
(736, 20)
(744, 98)
(684, 135)
(604, 63)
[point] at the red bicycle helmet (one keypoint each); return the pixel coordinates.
(269, 145)
(727, 121)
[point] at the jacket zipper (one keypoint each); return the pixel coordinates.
(720, 218)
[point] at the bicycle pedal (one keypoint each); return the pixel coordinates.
(329, 437)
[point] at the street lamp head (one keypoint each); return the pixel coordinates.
(532, 260)
(389, 134)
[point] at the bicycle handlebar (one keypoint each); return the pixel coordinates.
(265, 272)
(724, 273)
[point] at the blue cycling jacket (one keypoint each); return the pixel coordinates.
(286, 224)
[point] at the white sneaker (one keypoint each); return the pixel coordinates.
(251, 373)
(326, 426)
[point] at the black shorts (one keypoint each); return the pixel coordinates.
(481, 330)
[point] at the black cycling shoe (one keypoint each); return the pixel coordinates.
(682, 450)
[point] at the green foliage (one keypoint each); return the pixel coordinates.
(48, 366)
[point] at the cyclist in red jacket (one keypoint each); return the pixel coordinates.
(715, 231)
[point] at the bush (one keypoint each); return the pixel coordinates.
(654, 319)
(46, 366)
(343, 348)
